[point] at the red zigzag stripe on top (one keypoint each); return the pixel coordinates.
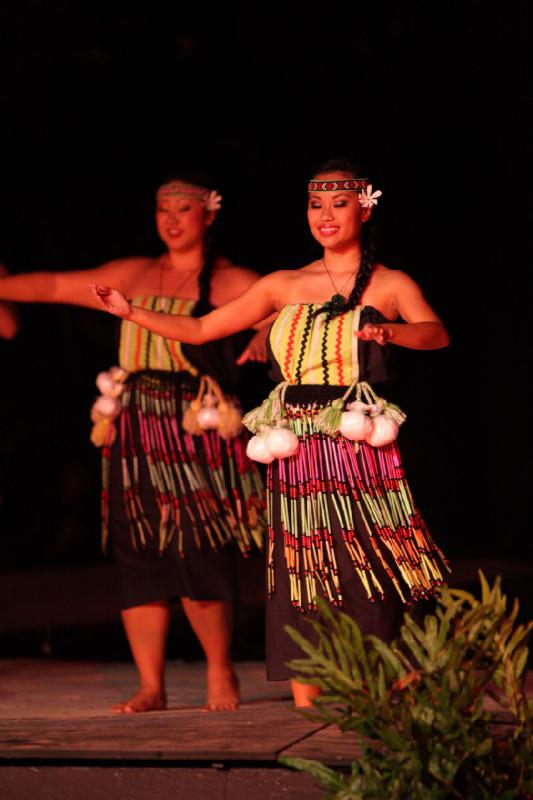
(338, 349)
(290, 343)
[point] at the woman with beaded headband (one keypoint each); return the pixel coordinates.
(342, 521)
(178, 492)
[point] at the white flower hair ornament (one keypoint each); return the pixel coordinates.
(368, 198)
(213, 201)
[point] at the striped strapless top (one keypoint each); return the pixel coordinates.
(306, 348)
(141, 349)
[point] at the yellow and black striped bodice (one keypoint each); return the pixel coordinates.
(141, 349)
(310, 348)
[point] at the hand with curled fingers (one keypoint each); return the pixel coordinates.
(377, 333)
(111, 300)
(256, 349)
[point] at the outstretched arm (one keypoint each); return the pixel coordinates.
(66, 287)
(422, 329)
(8, 315)
(255, 305)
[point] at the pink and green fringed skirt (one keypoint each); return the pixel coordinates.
(176, 508)
(342, 525)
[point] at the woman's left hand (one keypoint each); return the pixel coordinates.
(111, 300)
(256, 349)
(377, 333)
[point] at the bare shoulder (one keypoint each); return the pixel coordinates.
(128, 274)
(282, 279)
(130, 263)
(387, 287)
(288, 284)
(392, 279)
(231, 280)
(401, 296)
(224, 268)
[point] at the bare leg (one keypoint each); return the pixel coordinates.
(147, 629)
(212, 623)
(304, 693)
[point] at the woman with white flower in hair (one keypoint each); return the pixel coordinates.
(178, 488)
(342, 521)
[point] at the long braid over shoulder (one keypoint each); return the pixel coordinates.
(368, 260)
(206, 273)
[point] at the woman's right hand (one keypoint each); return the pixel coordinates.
(111, 300)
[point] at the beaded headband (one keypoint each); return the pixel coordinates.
(209, 197)
(348, 185)
(367, 197)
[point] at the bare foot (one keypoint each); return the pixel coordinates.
(222, 690)
(304, 694)
(143, 700)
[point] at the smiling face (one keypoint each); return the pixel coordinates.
(336, 218)
(181, 220)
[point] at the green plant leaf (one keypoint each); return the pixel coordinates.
(388, 655)
(416, 704)
(418, 632)
(519, 661)
(520, 634)
(413, 645)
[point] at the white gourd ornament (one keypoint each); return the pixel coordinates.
(384, 431)
(357, 405)
(257, 450)
(355, 426)
(282, 442)
(108, 407)
(208, 418)
(111, 383)
(105, 382)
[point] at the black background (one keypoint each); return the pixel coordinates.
(100, 102)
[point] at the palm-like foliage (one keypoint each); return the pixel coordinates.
(417, 704)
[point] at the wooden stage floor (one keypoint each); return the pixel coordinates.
(58, 739)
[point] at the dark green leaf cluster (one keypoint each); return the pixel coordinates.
(417, 704)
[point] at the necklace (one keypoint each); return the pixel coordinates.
(180, 286)
(336, 302)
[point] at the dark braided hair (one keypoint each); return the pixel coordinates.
(368, 245)
(202, 179)
(206, 273)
